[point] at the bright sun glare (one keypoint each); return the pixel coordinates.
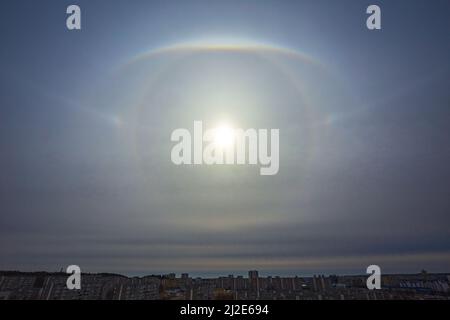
(224, 136)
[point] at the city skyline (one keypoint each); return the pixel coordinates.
(53, 286)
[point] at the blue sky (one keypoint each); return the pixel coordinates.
(364, 126)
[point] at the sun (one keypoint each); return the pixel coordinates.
(224, 136)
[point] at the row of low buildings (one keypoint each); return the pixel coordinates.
(52, 286)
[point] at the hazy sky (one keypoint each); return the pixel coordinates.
(86, 118)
